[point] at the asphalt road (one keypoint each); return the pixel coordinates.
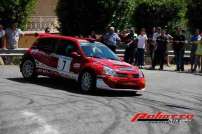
(50, 106)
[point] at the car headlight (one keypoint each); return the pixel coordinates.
(109, 71)
(141, 75)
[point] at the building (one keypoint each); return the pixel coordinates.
(43, 16)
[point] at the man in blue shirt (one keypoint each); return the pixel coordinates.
(111, 39)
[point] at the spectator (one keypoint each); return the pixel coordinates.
(179, 48)
(198, 55)
(156, 34)
(111, 39)
(93, 35)
(160, 50)
(47, 30)
(169, 37)
(195, 38)
(141, 44)
(2, 34)
(13, 35)
(130, 51)
(151, 43)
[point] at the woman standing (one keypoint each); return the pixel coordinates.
(198, 55)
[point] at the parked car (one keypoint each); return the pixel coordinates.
(92, 64)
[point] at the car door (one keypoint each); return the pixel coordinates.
(45, 47)
(67, 66)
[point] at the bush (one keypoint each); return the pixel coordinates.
(79, 17)
(150, 14)
(16, 11)
(194, 14)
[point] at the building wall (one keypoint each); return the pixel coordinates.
(45, 8)
(43, 16)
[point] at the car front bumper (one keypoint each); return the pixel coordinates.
(111, 83)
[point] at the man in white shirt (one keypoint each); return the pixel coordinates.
(141, 44)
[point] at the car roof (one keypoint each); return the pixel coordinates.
(70, 38)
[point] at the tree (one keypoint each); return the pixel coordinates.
(79, 17)
(152, 13)
(123, 13)
(16, 11)
(194, 14)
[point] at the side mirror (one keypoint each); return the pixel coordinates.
(75, 55)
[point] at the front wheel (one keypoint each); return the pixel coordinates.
(87, 81)
(28, 69)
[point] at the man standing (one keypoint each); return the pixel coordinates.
(156, 34)
(141, 44)
(13, 35)
(111, 39)
(130, 52)
(179, 48)
(151, 43)
(160, 51)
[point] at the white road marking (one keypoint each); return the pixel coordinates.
(45, 127)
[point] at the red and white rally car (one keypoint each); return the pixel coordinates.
(90, 63)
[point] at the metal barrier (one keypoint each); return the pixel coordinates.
(120, 52)
(13, 52)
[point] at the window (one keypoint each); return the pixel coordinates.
(65, 48)
(46, 44)
(98, 50)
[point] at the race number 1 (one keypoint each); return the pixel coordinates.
(64, 64)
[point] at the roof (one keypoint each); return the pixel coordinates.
(75, 39)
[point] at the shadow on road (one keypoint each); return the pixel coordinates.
(181, 72)
(72, 86)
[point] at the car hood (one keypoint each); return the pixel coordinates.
(117, 65)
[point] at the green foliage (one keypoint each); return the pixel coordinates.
(16, 11)
(79, 17)
(194, 14)
(150, 13)
(123, 14)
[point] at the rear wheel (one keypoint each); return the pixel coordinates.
(87, 81)
(28, 69)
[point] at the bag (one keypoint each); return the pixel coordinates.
(199, 49)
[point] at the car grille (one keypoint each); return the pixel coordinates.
(122, 75)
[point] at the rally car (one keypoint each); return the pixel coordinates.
(92, 64)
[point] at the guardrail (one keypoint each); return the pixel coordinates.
(21, 51)
(120, 52)
(13, 52)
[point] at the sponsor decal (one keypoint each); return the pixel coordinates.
(76, 65)
(64, 64)
(161, 117)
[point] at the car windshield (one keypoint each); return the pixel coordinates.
(98, 50)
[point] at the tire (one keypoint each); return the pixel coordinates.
(28, 69)
(87, 81)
